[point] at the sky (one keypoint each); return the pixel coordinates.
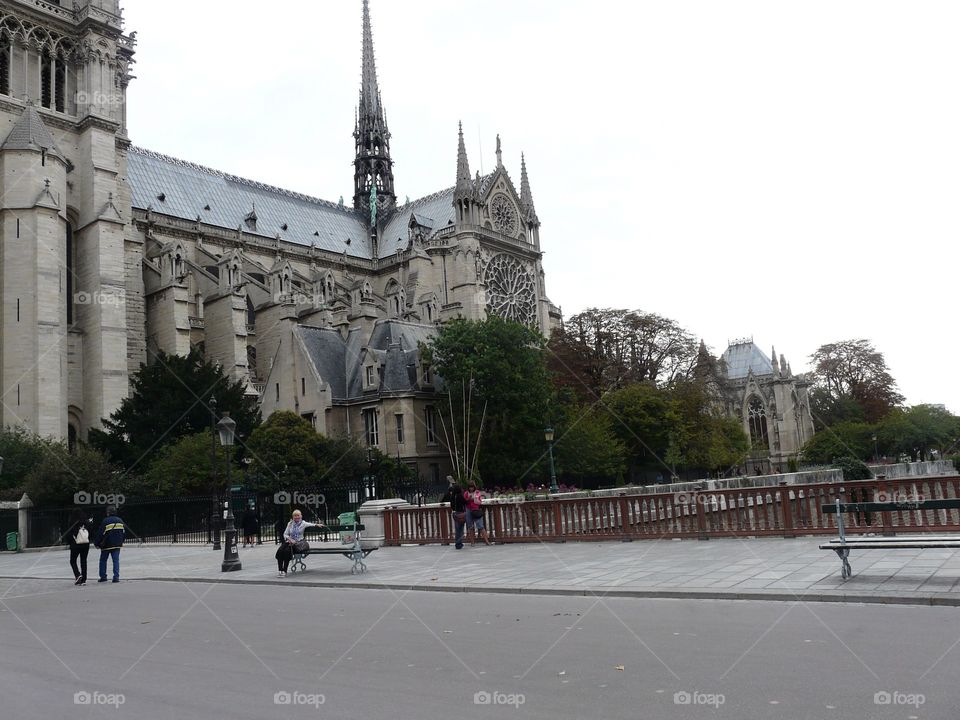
(777, 170)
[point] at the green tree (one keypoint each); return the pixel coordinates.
(60, 474)
(604, 349)
(170, 399)
(21, 451)
(586, 445)
(503, 362)
(285, 451)
(640, 416)
(182, 468)
(845, 439)
(919, 430)
(853, 370)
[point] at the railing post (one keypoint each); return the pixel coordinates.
(884, 492)
(444, 525)
(557, 520)
(626, 530)
(786, 510)
(389, 527)
(497, 512)
(697, 507)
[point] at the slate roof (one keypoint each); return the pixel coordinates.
(437, 208)
(741, 358)
(327, 351)
(393, 342)
(188, 189)
(29, 133)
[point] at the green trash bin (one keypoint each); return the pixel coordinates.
(13, 541)
(347, 518)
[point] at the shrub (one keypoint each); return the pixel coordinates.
(853, 469)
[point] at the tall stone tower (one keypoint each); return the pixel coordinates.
(70, 280)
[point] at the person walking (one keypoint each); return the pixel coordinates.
(474, 500)
(458, 509)
(78, 537)
(110, 537)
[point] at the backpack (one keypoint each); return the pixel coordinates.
(83, 537)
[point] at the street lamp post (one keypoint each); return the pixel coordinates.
(215, 524)
(548, 436)
(876, 451)
(231, 558)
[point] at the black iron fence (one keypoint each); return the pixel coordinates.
(259, 516)
(9, 523)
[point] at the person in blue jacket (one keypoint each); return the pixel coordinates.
(109, 539)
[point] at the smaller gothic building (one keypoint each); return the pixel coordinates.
(772, 403)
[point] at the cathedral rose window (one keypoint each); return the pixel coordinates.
(510, 290)
(504, 215)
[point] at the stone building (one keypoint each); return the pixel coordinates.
(772, 403)
(110, 253)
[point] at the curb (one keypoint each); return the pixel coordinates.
(927, 600)
(935, 599)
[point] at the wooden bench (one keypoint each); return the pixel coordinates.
(347, 545)
(842, 546)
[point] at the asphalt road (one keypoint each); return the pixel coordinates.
(160, 650)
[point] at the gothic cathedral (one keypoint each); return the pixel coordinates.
(111, 253)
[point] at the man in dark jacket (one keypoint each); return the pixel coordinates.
(458, 507)
(109, 539)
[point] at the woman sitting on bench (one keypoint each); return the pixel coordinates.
(292, 537)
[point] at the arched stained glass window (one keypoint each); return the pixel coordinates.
(757, 417)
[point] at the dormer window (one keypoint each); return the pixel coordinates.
(251, 221)
(427, 375)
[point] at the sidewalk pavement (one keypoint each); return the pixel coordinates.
(744, 569)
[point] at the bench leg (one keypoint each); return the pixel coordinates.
(298, 565)
(845, 571)
(359, 566)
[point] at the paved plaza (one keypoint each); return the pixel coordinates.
(760, 569)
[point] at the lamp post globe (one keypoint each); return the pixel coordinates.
(231, 557)
(548, 436)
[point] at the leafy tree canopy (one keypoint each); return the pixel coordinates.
(170, 399)
(853, 370)
(503, 363)
(60, 473)
(604, 349)
(586, 445)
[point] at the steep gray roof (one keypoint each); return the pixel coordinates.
(437, 208)
(398, 364)
(327, 351)
(29, 133)
(741, 358)
(188, 189)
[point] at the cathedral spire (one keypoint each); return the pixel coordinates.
(373, 166)
(369, 89)
(464, 181)
(526, 195)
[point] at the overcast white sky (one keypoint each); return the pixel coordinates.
(784, 170)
